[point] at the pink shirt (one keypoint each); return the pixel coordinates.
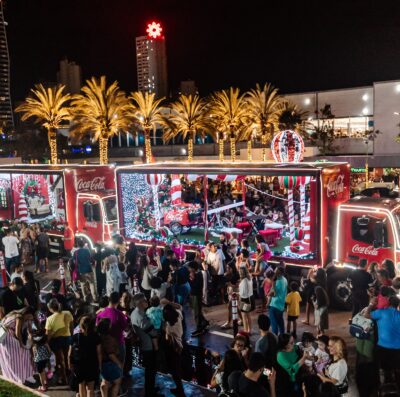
(118, 322)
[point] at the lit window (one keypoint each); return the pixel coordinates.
(398, 87)
(365, 111)
(307, 101)
(365, 97)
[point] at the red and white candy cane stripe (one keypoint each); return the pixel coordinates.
(307, 229)
(176, 190)
(154, 179)
(304, 180)
(221, 178)
(291, 215)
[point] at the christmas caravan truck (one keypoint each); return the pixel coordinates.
(71, 200)
(195, 202)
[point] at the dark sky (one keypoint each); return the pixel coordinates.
(303, 46)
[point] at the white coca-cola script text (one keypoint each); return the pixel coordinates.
(95, 184)
(370, 250)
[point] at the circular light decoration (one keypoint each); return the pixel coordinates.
(287, 147)
(154, 181)
(299, 234)
(154, 30)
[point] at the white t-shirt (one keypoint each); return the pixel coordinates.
(246, 288)
(160, 292)
(338, 370)
(10, 246)
(215, 259)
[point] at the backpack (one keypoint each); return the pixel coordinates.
(361, 327)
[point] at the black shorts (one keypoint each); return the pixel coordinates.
(42, 252)
(292, 318)
(389, 359)
(41, 365)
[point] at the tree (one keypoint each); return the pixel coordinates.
(263, 113)
(230, 114)
(189, 117)
(291, 117)
(49, 108)
(147, 113)
(100, 111)
(323, 135)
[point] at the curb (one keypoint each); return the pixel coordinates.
(28, 389)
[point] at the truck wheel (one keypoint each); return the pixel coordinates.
(339, 290)
(176, 228)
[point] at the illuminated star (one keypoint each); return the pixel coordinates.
(154, 30)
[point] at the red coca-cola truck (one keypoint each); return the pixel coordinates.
(80, 198)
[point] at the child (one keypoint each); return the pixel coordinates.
(293, 300)
(41, 356)
(155, 315)
(307, 345)
(268, 286)
(322, 354)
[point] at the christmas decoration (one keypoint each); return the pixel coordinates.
(154, 180)
(22, 209)
(299, 234)
(154, 30)
(290, 182)
(287, 147)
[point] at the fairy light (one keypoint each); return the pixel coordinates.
(147, 144)
(233, 150)
(264, 149)
(190, 150)
(249, 155)
(53, 146)
(103, 148)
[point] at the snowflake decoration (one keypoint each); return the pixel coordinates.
(154, 30)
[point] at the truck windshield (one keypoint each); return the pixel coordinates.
(110, 208)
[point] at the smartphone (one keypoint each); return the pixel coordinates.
(267, 372)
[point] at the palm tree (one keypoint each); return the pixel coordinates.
(230, 114)
(263, 112)
(147, 114)
(290, 117)
(48, 106)
(188, 118)
(100, 111)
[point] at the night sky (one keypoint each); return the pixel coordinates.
(307, 46)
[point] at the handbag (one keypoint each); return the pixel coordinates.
(361, 327)
(3, 332)
(343, 387)
(245, 306)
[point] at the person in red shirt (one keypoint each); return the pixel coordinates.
(68, 239)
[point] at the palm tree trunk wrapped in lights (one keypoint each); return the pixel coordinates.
(221, 146)
(103, 149)
(264, 146)
(147, 145)
(190, 147)
(52, 137)
(233, 147)
(249, 150)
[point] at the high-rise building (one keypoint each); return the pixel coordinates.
(70, 75)
(6, 114)
(151, 61)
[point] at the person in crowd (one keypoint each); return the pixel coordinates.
(98, 257)
(55, 294)
(360, 281)
(223, 244)
(290, 360)
(247, 303)
(31, 289)
(241, 347)
(322, 354)
(84, 356)
(11, 251)
(243, 259)
(233, 244)
(42, 249)
(248, 382)
(388, 265)
(383, 278)
(41, 354)
(373, 271)
(336, 371)
(26, 247)
(155, 315)
(278, 301)
(159, 288)
(173, 335)
(383, 297)
(17, 270)
(309, 292)
(111, 270)
(15, 355)
(104, 301)
(151, 267)
(293, 300)
(230, 363)
(268, 287)
(267, 343)
(388, 323)
(196, 298)
(12, 297)
(179, 250)
(307, 345)
(85, 270)
(145, 332)
(123, 285)
(119, 323)
(132, 254)
(321, 302)
(165, 264)
(59, 328)
(69, 239)
(180, 279)
(110, 363)
(215, 260)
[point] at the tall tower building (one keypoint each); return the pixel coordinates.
(70, 75)
(6, 113)
(151, 61)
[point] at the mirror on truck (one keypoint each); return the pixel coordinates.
(363, 221)
(380, 239)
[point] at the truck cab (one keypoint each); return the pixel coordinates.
(368, 228)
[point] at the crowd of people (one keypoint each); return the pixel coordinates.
(82, 334)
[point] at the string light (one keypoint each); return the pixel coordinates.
(233, 149)
(103, 148)
(147, 146)
(190, 150)
(264, 149)
(249, 154)
(53, 146)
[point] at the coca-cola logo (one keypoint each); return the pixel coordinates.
(91, 224)
(369, 250)
(174, 216)
(95, 184)
(335, 186)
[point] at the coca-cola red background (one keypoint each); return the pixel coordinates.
(94, 179)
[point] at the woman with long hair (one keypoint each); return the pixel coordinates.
(246, 297)
(321, 302)
(230, 363)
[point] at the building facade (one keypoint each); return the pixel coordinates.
(151, 64)
(70, 75)
(6, 113)
(357, 110)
